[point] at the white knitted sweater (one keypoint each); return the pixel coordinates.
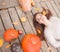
(52, 32)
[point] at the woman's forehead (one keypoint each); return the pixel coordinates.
(38, 15)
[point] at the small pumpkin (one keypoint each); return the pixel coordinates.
(10, 34)
(26, 5)
(31, 43)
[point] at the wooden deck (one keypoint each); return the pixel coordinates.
(11, 13)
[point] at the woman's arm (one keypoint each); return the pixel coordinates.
(52, 40)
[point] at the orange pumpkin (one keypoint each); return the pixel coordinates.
(10, 34)
(31, 43)
(26, 5)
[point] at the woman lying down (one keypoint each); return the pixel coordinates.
(49, 26)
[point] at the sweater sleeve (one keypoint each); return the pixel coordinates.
(49, 37)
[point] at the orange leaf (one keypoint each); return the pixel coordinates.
(8, 46)
(1, 42)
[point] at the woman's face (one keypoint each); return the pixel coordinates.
(40, 18)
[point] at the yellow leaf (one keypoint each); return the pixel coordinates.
(49, 48)
(1, 42)
(38, 31)
(23, 19)
(15, 23)
(32, 3)
(8, 46)
(37, 9)
(44, 12)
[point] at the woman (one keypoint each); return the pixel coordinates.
(49, 27)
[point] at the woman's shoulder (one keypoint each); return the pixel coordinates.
(54, 19)
(55, 23)
(48, 29)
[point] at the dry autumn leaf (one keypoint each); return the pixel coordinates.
(38, 31)
(37, 9)
(49, 48)
(8, 46)
(1, 42)
(15, 23)
(33, 4)
(44, 12)
(23, 19)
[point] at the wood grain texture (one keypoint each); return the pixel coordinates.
(14, 13)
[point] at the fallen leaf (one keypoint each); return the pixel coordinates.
(8, 46)
(15, 23)
(23, 19)
(37, 9)
(38, 31)
(33, 4)
(1, 42)
(44, 12)
(49, 48)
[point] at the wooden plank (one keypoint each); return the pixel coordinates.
(1, 32)
(6, 18)
(47, 5)
(43, 4)
(57, 4)
(18, 26)
(55, 8)
(51, 8)
(52, 49)
(15, 19)
(44, 46)
(4, 49)
(8, 3)
(41, 0)
(6, 21)
(36, 8)
(37, 0)
(26, 24)
(30, 19)
(9, 26)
